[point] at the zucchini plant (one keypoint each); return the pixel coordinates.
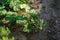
(28, 17)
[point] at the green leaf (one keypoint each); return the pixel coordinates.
(3, 2)
(4, 31)
(25, 29)
(5, 38)
(17, 4)
(11, 18)
(2, 7)
(10, 13)
(19, 17)
(3, 12)
(33, 12)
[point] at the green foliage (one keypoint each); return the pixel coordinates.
(13, 14)
(25, 6)
(25, 29)
(21, 19)
(2, 12)
(2, 7)
(4, 32)
(29, 24)
(3, 2)
(10, 17)
(16, 5)
(24, 1)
